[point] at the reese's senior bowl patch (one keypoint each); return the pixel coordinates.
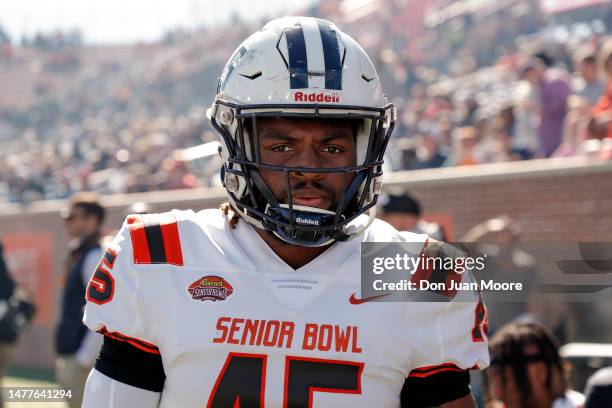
(210, 288)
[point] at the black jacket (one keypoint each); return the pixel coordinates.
(7, 285)
(71, 330)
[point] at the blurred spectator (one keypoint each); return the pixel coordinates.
(7, 340)
(575, 127)
(588, 86)
(497, 239)
(177, 175)
(108, 119)
(77, 347)
(15, 312)
(495, 148)
(598, 392)
(526, 369)
(601, 123)
(463, 151)
(430, 151)
(404, 213)
(525, 141)
(554, 89)
(4, 37)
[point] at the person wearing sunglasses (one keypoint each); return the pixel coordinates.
(76, 346)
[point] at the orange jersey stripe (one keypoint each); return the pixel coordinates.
(423, 375)
(421, 372)
(140, 245)
(140, 344)
(435, 367)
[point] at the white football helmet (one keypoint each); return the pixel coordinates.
(301, 67)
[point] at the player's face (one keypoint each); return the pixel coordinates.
(312, 144)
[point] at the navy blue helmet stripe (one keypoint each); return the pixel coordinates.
(331, 54)
(298, 61)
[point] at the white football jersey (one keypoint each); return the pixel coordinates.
(233, 322)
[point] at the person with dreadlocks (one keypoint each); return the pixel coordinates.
(256, 304)
(526, 369)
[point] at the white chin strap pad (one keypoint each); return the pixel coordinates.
(309, 209)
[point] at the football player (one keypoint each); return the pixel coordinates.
(256, 304)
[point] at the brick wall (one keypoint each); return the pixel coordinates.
(554, 200)
(560, 204)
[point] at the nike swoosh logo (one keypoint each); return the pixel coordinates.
(353, 300)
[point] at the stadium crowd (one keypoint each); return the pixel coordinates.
(470, 90)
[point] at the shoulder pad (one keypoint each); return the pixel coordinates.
(155, 239)
(212, 217)
(381, 231)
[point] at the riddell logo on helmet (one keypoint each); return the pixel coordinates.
(316, 97)
(300, 220)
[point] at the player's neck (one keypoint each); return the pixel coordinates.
(293, 255)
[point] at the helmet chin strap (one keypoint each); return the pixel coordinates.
(304, 215)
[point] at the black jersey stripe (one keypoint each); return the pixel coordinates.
(125, 363)
(435, 390)
(155, 240)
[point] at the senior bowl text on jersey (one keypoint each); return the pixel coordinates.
(258, 304)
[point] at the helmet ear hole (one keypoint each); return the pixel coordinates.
(231, 182)
(226, 116)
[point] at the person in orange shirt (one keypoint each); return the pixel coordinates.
(600, 126)
(464, 145)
